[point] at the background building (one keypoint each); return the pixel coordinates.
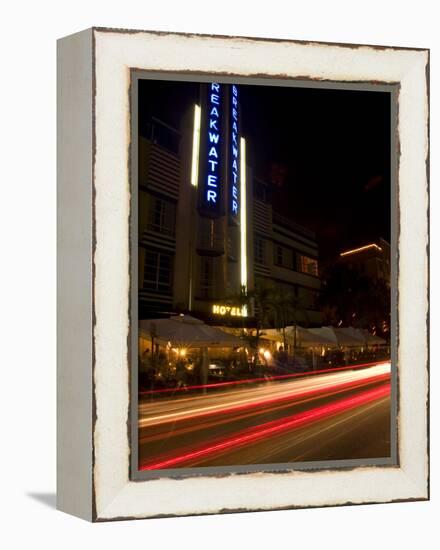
(371, 260)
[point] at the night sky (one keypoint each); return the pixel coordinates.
(331, 147)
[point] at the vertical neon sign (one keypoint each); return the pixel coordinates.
(196, 147)
(243, 221)
(234, 162)
(211, 193)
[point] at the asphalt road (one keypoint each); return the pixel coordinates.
(338, 415)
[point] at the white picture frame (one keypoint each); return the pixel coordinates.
(94, 76)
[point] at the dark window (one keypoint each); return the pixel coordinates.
(233, 239)
(210, 236)
(283, 257)
(206, 277)
(163, 135)
(308, 298)
(279, 255)
(259, 250)
(161, 216)
(262, 191)
(158, 271)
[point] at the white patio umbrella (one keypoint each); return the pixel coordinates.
(187, 331)
(372, 339)
(338, 337)
(304, 337)
(354, 333)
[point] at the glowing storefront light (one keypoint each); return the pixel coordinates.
(196, 147)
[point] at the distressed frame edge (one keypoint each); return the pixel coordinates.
(75, 123)
(351, 45)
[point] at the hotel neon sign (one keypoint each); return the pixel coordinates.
(233, 311)
(214, 171)
(234, 175)
(211, 197)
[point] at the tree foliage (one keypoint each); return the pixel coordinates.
(351, 298)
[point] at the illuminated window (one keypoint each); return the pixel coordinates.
(158, 271)
(308, 265)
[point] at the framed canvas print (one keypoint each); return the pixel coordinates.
(242, 274)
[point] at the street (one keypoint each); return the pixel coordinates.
(343, 414)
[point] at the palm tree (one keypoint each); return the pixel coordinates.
(260, 300)
(288, 308)
(282, 300)
(153, 335)
(355, 299)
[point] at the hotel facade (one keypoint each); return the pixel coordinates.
(208, 232)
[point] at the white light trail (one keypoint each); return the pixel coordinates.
(190, 407)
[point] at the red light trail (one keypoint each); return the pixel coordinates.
(292, 396)
(275, 427)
